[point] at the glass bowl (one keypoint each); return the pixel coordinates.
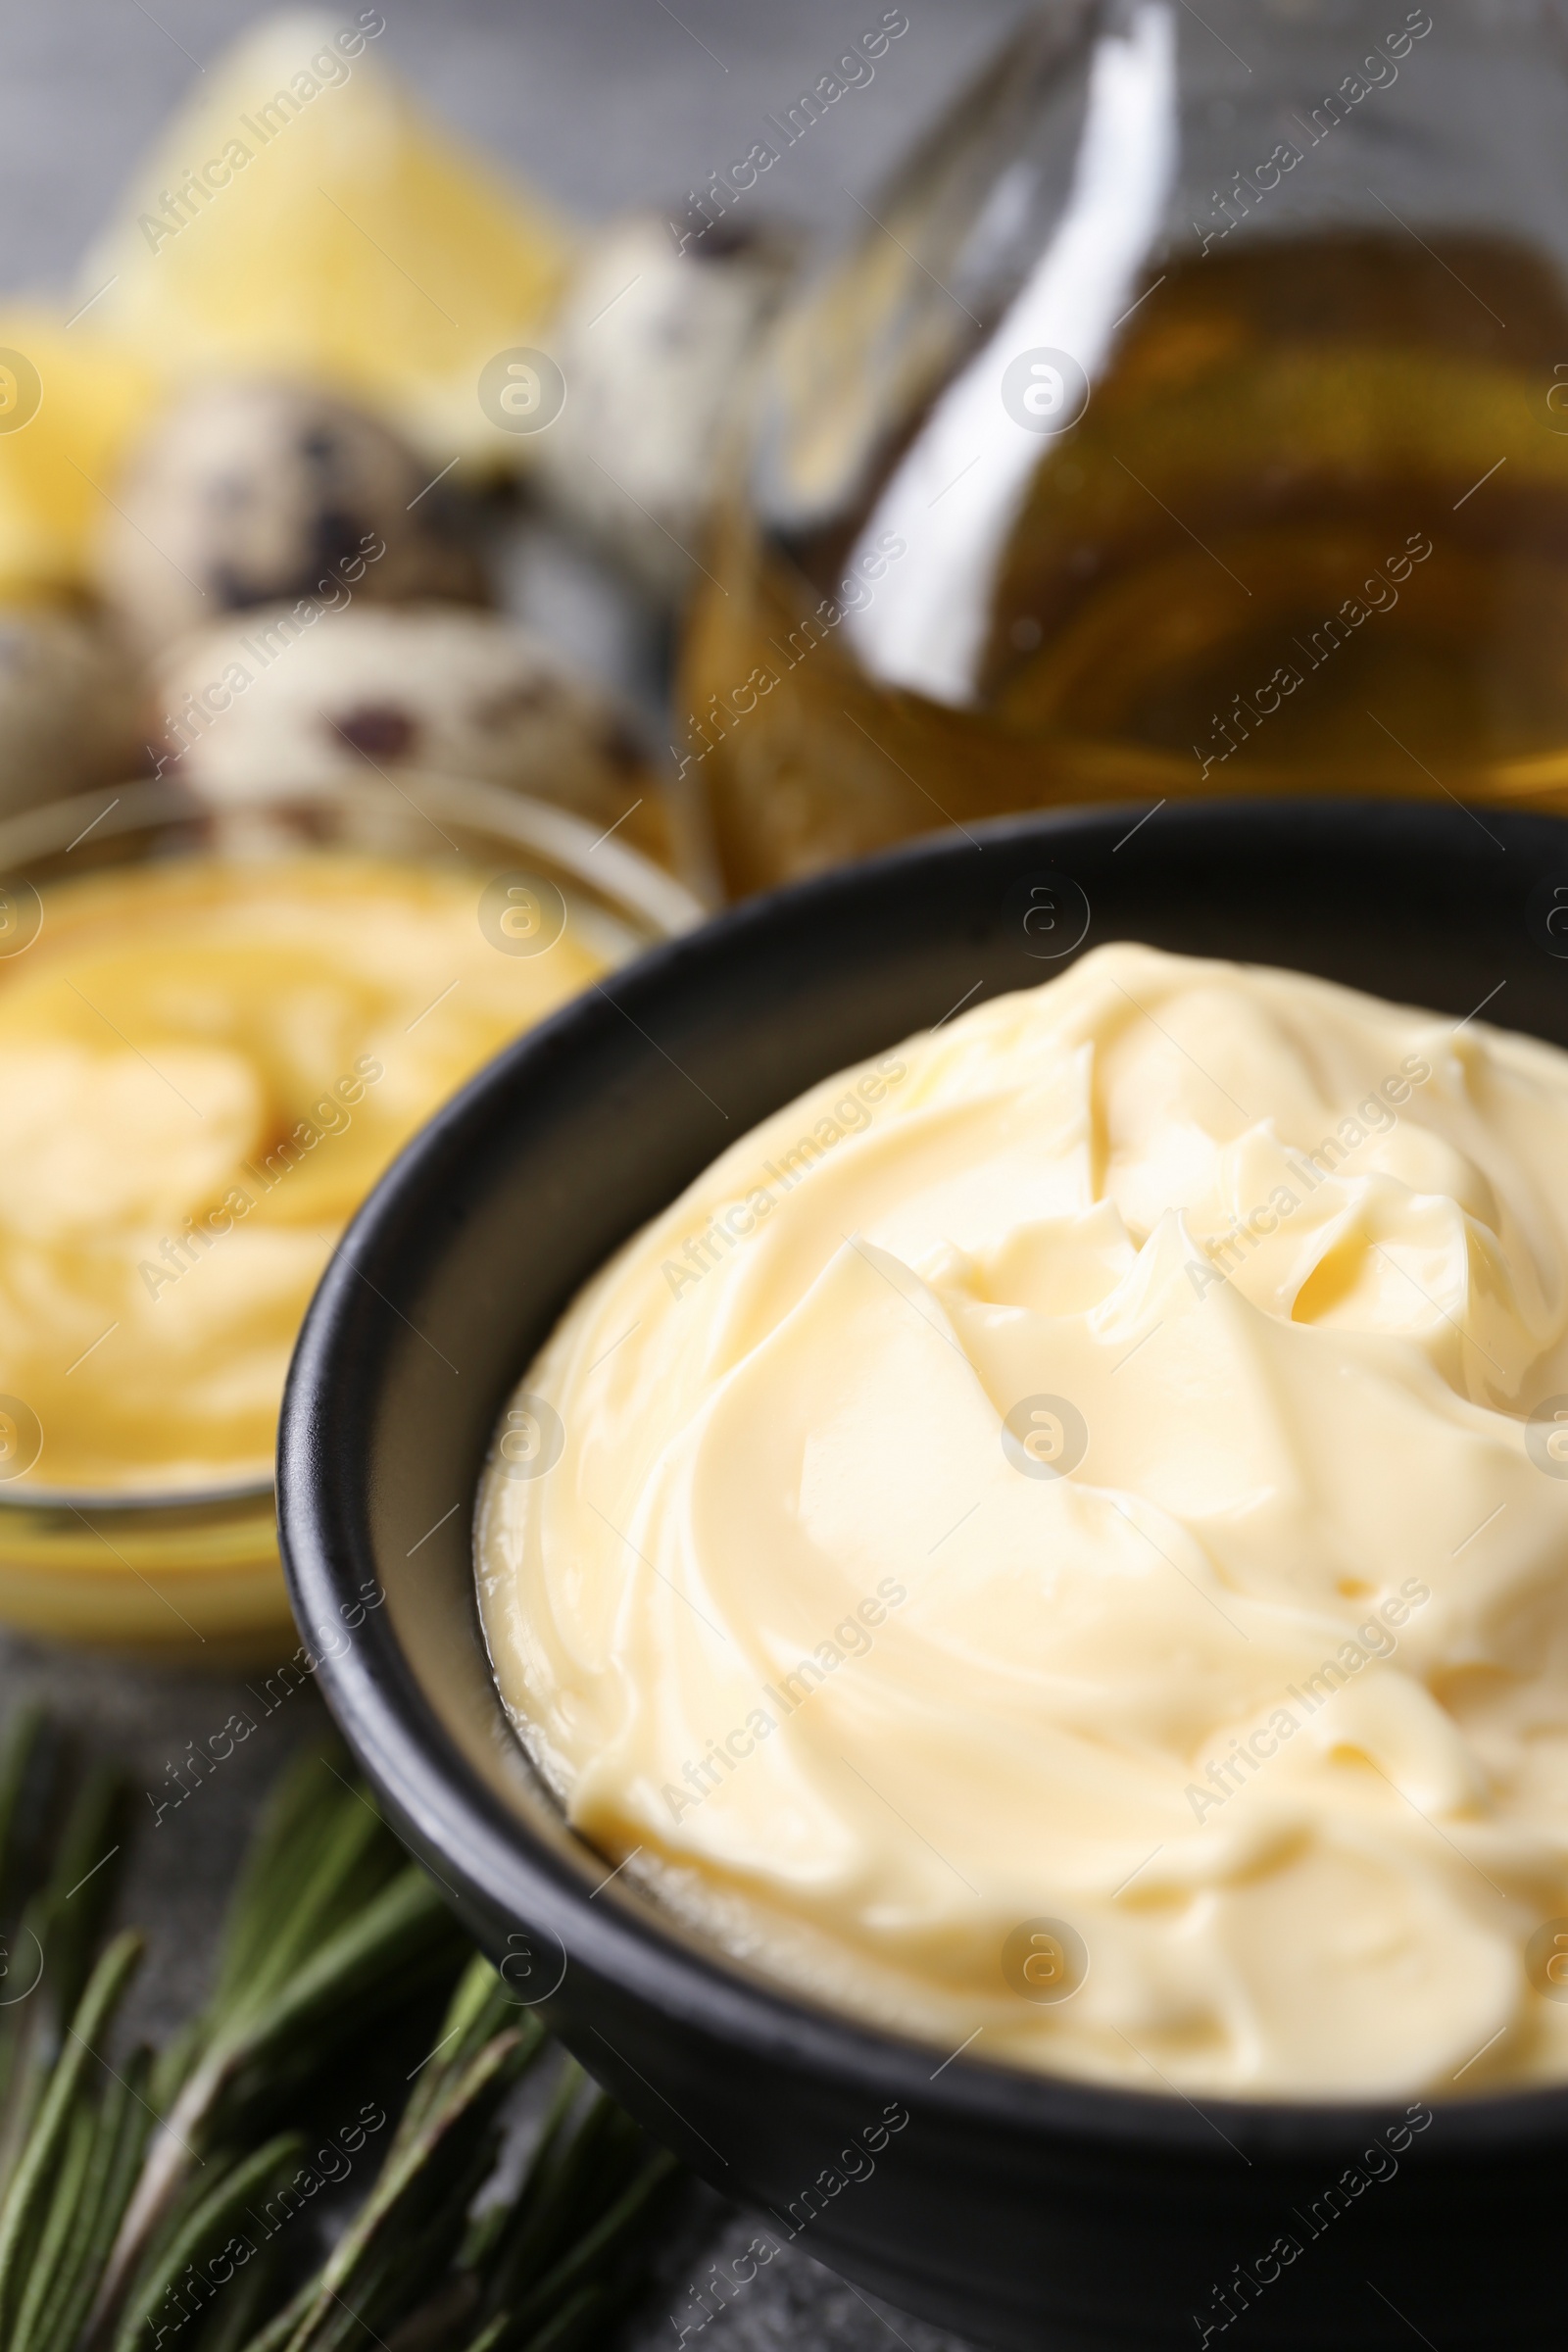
(193, 1575)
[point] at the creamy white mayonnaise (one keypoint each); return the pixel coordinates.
(1046, 1545)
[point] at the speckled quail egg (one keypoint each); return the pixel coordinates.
(274, 700)
(656, 347)
(251, 493)
(70, 708)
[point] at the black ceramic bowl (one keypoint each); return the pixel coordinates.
(1019, 2210)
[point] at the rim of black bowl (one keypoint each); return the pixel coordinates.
(446, 1811)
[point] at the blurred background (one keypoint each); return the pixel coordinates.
(602, 105)
(601, 110)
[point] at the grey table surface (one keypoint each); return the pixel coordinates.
(604, 105)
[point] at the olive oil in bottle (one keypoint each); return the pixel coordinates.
(1296, 520)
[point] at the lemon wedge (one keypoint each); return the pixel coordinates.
(302, 217)
(70, 404)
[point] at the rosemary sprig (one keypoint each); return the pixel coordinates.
(129, 2189)
(54, 1895)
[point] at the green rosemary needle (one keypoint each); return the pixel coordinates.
(144, 2196)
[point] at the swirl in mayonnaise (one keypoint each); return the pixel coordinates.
(1080, 1469)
